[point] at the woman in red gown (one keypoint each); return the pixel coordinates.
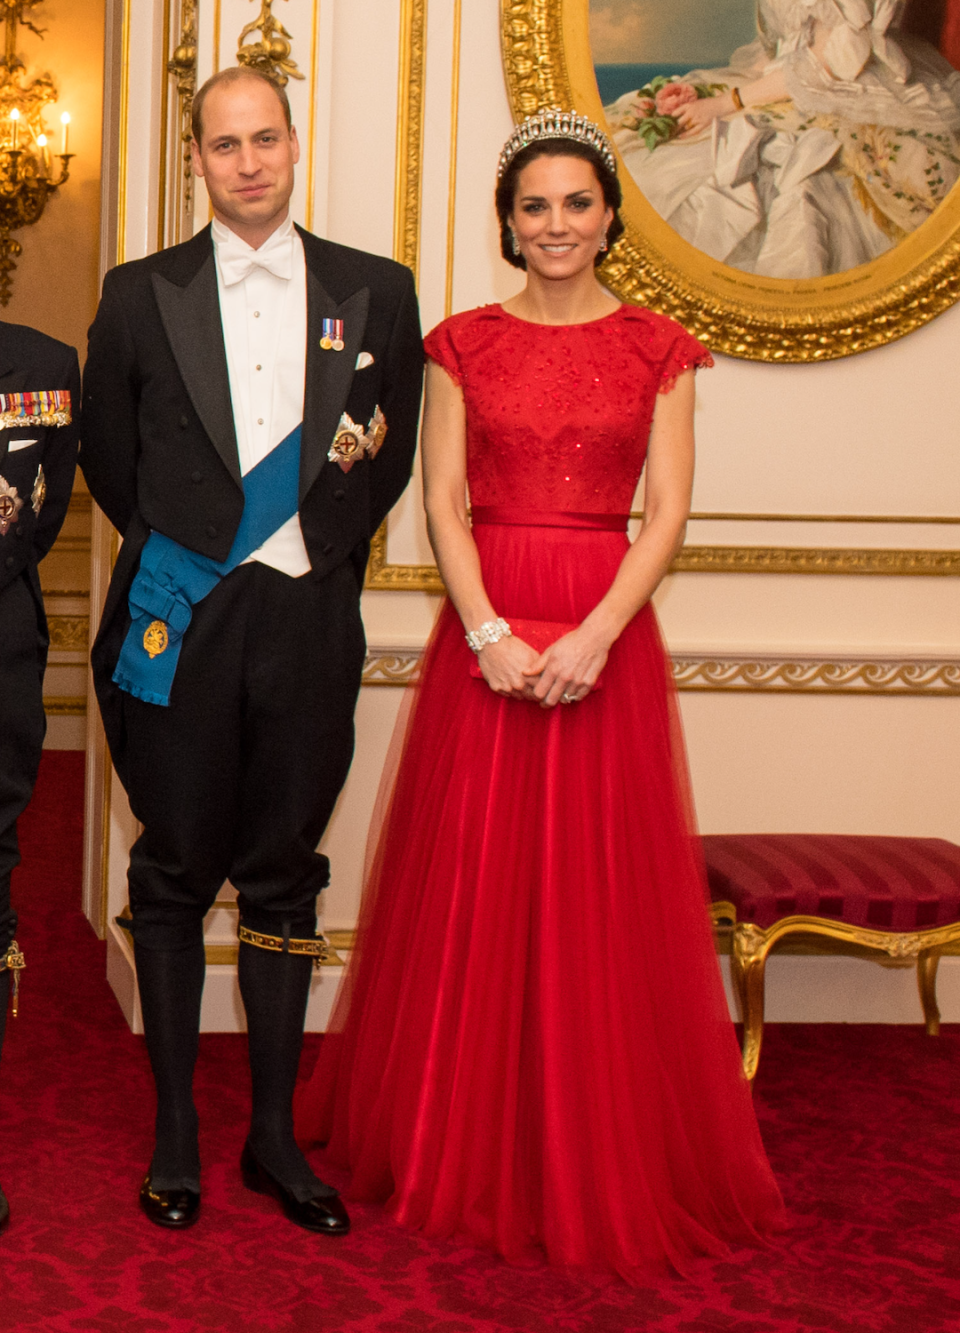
(532, 1047)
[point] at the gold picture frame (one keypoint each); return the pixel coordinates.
(547, 62)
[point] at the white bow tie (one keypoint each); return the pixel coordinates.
(276, 256)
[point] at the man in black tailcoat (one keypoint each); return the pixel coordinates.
(229, 656)
(39, 399)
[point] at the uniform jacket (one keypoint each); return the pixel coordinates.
(30, 361)
(159, 448)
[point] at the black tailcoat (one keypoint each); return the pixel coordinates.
(159, 448)
(29, 361)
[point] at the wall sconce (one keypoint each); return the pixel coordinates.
(26, 182)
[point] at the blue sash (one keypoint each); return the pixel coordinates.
(171, 579)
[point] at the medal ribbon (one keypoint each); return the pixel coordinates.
(332, 335)
(172, 579)
(38, 407)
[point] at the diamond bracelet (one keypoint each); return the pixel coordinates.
(491, 631)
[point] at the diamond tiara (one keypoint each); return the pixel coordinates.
(553, 123)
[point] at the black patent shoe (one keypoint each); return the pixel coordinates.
(169, 1208)
(324, 1213)
(4, 1210)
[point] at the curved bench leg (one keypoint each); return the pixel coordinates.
(750, 950)
(928, 960)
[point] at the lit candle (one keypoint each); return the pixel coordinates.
(65, 122)
(42, 145)
(15, 117)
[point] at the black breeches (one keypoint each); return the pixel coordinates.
(238, 777)
(23, 653)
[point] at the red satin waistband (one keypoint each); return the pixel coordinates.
(508, 515)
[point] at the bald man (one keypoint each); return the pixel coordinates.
(252, 399)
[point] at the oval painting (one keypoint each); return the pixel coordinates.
(848, 140)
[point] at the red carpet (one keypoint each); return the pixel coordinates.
(862, 1125)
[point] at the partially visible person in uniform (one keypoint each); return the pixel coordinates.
(39, 401)
(252, 405)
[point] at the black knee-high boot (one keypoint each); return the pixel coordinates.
(275, 988)
(171, 988)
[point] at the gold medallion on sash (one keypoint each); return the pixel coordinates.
(155, 638)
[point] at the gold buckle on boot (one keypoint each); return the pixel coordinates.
(13, 961)
(319, 949)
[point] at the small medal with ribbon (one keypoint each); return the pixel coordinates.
(40, 407)
(332, 335)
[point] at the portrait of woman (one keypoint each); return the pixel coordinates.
(824, 140)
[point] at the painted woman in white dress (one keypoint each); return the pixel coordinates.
(846, 140)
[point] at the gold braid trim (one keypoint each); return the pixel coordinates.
(316, 948)
(13, 961)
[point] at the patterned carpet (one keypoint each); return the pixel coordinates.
(861, 1123)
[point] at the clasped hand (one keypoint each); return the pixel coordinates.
(570, 667)
(695, 117)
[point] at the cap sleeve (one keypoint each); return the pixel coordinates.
(439, 346)
(684, 353)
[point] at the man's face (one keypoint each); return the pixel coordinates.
(247, 157)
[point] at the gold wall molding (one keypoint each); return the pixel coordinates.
(384, 577)
(532, 38)
(408, 187)
(454, 149)
(743, 674)
(65, 705)
(124, 133)
(312, 120)
(69, 634)
(817, 677)
(182, 67)
(813, 560)
(905, 519)
(78, 544)
(399, 667)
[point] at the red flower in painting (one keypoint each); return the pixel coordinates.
(672, 97)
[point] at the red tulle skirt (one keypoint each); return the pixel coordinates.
(532, 1047)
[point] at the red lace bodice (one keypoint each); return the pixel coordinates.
(558, 416)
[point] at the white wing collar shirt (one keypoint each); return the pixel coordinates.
(263, 309)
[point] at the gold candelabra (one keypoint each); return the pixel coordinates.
(26, 180)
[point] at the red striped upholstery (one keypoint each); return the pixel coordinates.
(880, 883)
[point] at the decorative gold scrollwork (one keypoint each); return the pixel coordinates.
(752, 946)
(183, 67)
(271, 54)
